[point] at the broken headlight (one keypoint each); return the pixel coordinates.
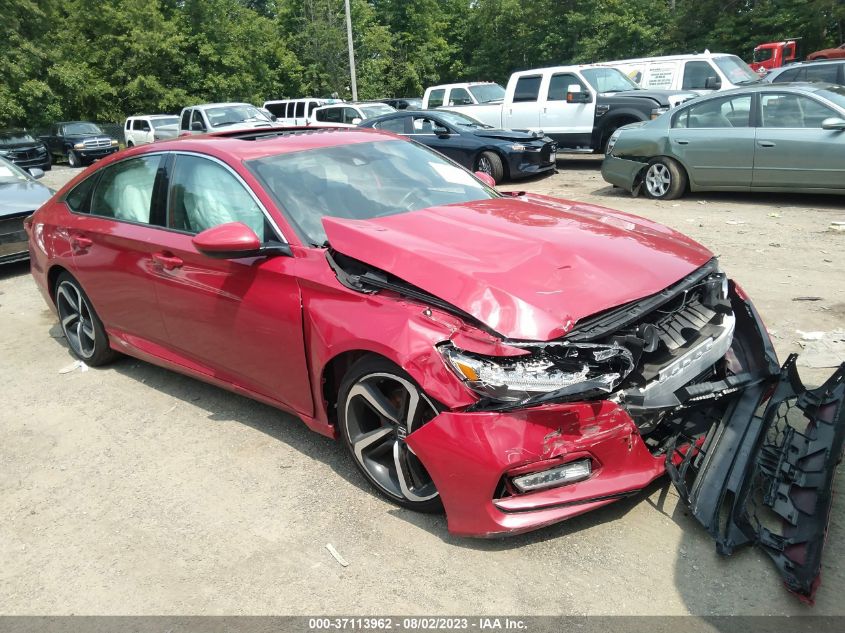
(564, 369)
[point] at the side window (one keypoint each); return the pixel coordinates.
(396, 125)
(197, 118)
(128, 124)
(300, 109)
(204, 194)
(787, 75)
(80, 196)
(696, 74)
(558, 85)
(311, 106)
(349, 114)
(435, 98)
(527, 88)
(276, 109)
(827, 73)
(125, 190)
(289, 111)
(422, 126)
(459, 96)
(330, 115)
(792, 111)
(716, 113)
(185, 123)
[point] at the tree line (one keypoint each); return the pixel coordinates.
(103, 60)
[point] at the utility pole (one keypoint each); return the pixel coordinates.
(351, 52)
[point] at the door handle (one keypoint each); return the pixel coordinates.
(167, 261)
(80, 244)
(681, 141)
(765, 143)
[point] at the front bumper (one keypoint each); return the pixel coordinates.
(531, 163)
(620, 172)
(90, 155)
(468, 454)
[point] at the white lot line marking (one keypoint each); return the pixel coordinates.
(340, 559)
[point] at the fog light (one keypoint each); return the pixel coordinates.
(566, 474)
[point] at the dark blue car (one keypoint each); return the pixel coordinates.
(503, 154)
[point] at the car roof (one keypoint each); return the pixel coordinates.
(217, 105)
(244, 145)
(806, 64)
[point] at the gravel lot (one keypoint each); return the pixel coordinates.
(133, 490)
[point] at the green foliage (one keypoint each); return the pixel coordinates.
(106, 59)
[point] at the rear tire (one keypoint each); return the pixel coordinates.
(664, 179)
(491, 164)
(378, 405)
(80, 324)
(130, 144)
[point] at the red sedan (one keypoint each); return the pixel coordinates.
(513, 359)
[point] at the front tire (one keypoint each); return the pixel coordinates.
(491, 164)
(379, 404)
(73, 159)
(81, 326)
(130, 144)
(664, 179)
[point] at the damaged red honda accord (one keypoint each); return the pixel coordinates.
(513, 359)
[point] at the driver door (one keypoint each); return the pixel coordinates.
(237, 320)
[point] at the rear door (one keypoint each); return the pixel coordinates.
(452, 145)
(523, 113)
(792, 150)
(238, 320)
(113, 238)
(714, 140)
(569, 123)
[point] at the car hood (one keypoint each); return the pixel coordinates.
(528, 267)
(663, 97)
(242, 125)
(6, 145)
(23, 196)
(508, 135)
(88, 137)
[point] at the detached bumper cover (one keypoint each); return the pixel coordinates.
(620, 172)
(767, 479)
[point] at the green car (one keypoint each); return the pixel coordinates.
(767, 137)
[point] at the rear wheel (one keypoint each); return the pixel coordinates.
(490, 164)
(81, 326)
(378, 406)
(130, 144)
(664, 179)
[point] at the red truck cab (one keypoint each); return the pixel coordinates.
(774, 55)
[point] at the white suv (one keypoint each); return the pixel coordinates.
(347, 114)
(140, 130)
(216, 117)
(460, 94)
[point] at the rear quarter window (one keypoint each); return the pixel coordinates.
(78, 199)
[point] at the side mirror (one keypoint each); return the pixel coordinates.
(36, 172)
(441, 131)
(574, 94)
(486, 178)
(833, 123)
(712, 83)
(357, 120)
(273, 118)
(197, 126)
(228, 241)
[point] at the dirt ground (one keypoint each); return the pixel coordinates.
(133, 490)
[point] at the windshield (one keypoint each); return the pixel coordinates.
(454, 118)
(834, 94)
(762, 54)
(362, 181)
(736, 70)
(486, 93)
(170, 120)
(230, 115)
(608, 80)
(12, 137)
(371, 111)
(11, 173)
(82, 128)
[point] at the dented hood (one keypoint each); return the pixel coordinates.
(529, 267)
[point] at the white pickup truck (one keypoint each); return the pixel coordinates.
(578, 106)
